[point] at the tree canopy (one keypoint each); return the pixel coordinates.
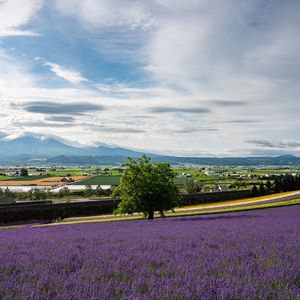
(193, 186)
(146, 187)
(24, 172)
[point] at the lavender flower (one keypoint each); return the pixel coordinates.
(246, 255)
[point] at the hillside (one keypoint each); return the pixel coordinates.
(36, 151)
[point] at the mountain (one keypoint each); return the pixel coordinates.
(34, 146)
(116, 151)
(30, 145)
(87, 160)
(204, 161)
(31, 150)
(284, 160)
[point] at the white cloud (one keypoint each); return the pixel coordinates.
(68, 74)
(14, 73)
(13, 32)
(16, 13)
(203, 46)
(195, 53)
(108, 12)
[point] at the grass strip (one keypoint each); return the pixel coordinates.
(176, 214)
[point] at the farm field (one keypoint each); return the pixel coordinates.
(101, 180)
(115, 180)
(44, 181)
(235, 177)
(244, 255)
(23, 178)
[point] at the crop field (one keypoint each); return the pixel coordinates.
(180, 180)
(72, 171)
(101, 179)
(115, 180)
(23, 178)
(44, 181)
(244, 255)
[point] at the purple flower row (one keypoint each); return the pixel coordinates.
(246, 255)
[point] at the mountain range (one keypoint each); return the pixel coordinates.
(32, 150)
(34, 146)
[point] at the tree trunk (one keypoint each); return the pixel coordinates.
(150, 215)
(162, 214)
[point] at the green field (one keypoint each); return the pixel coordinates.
(22, 178)
(235, 177)
(115, 180)
(180, 180)
(103, 180)
(5, 177)
(81, 171)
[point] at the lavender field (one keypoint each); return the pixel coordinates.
(246, 255)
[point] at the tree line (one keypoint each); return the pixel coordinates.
(37, 194)
(277, 184)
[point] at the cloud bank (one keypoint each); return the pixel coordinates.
(16, 13)
(52, 108)
(185, 77)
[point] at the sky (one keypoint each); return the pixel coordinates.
(192, 77)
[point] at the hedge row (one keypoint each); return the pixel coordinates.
(192, 199)
(49, 211)
(56, 211)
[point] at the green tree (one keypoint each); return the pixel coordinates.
(63, 192)
(9, 194)
(269, 187)
(36, 194)
(193, 186)
(277, 184)
(24, 172)
(88, 191)
(254, 190)
(103, 192)
(262, 189)
(41, 195)
(146, 187)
